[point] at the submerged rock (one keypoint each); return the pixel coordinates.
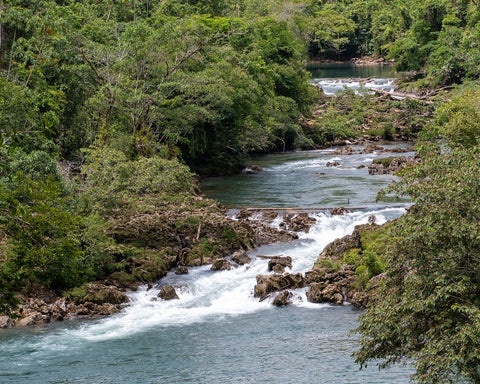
(333, 164)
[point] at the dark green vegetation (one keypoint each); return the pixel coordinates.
(350, 116)
(106, 107)
(427, 309)
(438, 37)
(362, 252)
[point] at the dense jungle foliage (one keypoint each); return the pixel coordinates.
(427, 309)
(106, 108)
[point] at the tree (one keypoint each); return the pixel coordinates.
(428, 309)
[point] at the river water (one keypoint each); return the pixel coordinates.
(334, 77)
(217, 332)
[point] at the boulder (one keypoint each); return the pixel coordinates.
(181, 270)
(265, 234)
(372, 148)
(316, 275)
(339, 211)
(321, 293)
(267, 284)
(100, 294)
(278, 263)
(390, 165)
(31, 320)
(58, 310)
(299, 222)
(346, 150)
(269, 216)
(358, 299)
(283, 298)
(167, 292)
(241, 258)
(6, 322)
(98, 300)
(338, 247)
(221, 265)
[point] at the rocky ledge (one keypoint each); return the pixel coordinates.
(91, 301)
(339, 275)
(335, 278)
(210, 242)
(391, 165)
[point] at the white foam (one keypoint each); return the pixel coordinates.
(332, 86)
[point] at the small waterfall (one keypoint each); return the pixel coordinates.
(332, 86)
(205, 295)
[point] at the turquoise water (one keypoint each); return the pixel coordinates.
(217, 332)
(286, 345)
(304, 179)
(349, 70)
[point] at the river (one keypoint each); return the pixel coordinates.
(217, 332)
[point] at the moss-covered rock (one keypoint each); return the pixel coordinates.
(348, 265)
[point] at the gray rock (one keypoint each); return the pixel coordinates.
(167, 292)
(241, 258)
(283, 298)
(6, 322)
(181, 270)
(221, 265)
(267, 284)
(279, 263)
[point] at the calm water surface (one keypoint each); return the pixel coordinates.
(349, 70)
(333, 78)
(305, 179)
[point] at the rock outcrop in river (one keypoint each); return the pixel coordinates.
(346, 271)
(390, 165)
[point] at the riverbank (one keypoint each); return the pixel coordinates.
(368, 117)
(174, 238)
